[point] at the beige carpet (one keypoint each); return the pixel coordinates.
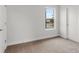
(56, 45)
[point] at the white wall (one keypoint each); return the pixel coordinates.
(3, 28)
(70, 17)
(63, 21)
(26, 23)
(73, 20)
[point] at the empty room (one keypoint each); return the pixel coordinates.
(39, 28)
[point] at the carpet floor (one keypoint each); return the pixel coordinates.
(55, 45)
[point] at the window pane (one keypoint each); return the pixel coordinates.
(49, 12)
(49, 19)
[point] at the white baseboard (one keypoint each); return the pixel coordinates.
(2, 50)
(25, 41)
(63, 36)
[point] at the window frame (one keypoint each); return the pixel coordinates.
(53, 16)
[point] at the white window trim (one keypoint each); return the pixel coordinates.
(54, 19)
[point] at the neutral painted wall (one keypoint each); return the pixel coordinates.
(26, 23)
(3, 28)
(73, 20)
(70, 17)
(63, 21)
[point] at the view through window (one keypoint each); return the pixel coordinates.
(49, 18)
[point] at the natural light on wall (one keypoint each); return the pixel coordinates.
(49, 18)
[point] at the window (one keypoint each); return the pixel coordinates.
(49, 18)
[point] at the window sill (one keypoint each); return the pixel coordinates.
(50, 29)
